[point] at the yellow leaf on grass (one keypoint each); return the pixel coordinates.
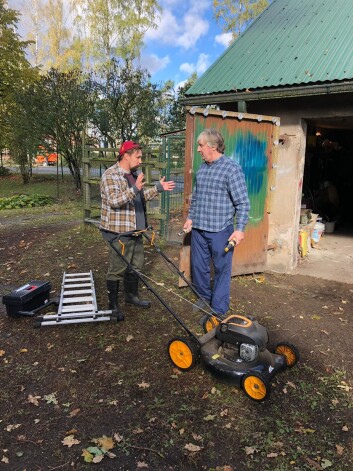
(23, 350)
(87, 456)
(2, 353)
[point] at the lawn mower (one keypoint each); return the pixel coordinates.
(234, 348)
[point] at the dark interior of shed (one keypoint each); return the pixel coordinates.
(328, 173)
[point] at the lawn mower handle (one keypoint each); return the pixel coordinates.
(167, 259)
(148, 286)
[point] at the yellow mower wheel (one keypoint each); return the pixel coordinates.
(256, 386)
(289, 351)
(210, 323)
(183, 353)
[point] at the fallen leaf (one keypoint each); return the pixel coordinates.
(209, 418)
(118, 438)
(292, 385)
(9, 428)
(5, 460)
(2, 353)
(250, 450)
(192, 447)
(196, 437)
(345, 428)
(326, 464)
(137, 431)
(142, 464)
(51, 398)
(33, 399)
(129, 337)
(23, 350)
(87, 456)
(74, 412)
(109, 348)
(224, 413)
(97, 458)
(144, 385)
(70, 440)
(272, 455)
(106, 443)
(339, 450)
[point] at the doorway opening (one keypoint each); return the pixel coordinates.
(328, 172)
(327, 192)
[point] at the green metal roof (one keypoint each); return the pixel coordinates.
(293, 42)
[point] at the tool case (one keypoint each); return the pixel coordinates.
(27, 297)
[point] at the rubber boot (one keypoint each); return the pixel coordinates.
(131, 282)
(113, 293)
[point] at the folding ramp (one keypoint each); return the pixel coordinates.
(77, 303)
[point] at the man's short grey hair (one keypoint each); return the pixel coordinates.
(213, 139)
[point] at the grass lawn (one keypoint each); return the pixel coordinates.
(48, 185)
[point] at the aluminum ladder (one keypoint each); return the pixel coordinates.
(77, 303)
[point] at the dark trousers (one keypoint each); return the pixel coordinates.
(207, 246)
(133, 252)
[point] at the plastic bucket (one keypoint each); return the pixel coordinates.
(319, 228)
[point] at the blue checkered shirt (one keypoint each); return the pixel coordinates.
(219, 194)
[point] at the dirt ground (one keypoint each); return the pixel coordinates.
(106, 395)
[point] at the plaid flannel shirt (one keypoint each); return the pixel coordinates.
(219, 194)
(118, 210)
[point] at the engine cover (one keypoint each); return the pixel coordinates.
(248, 352)
(239, 330)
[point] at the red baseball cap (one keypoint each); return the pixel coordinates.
(128, 145)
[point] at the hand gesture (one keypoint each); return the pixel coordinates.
(140, 181)
(167, 186)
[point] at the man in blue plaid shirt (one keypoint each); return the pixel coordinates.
(219, 194)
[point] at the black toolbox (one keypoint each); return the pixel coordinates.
(27, 297)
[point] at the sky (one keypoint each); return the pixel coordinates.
(186, 40)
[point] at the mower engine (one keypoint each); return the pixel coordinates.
(242, 337)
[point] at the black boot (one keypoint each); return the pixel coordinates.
(113, 290)
(131, 282)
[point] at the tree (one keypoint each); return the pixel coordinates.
(14, 67)
(175, 114)
(53, 43)
(15, 77)
(114, 29)
(234, 15)
(67, 101)
(128, 105)
(25, 129)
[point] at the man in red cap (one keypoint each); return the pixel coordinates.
(124, 210)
